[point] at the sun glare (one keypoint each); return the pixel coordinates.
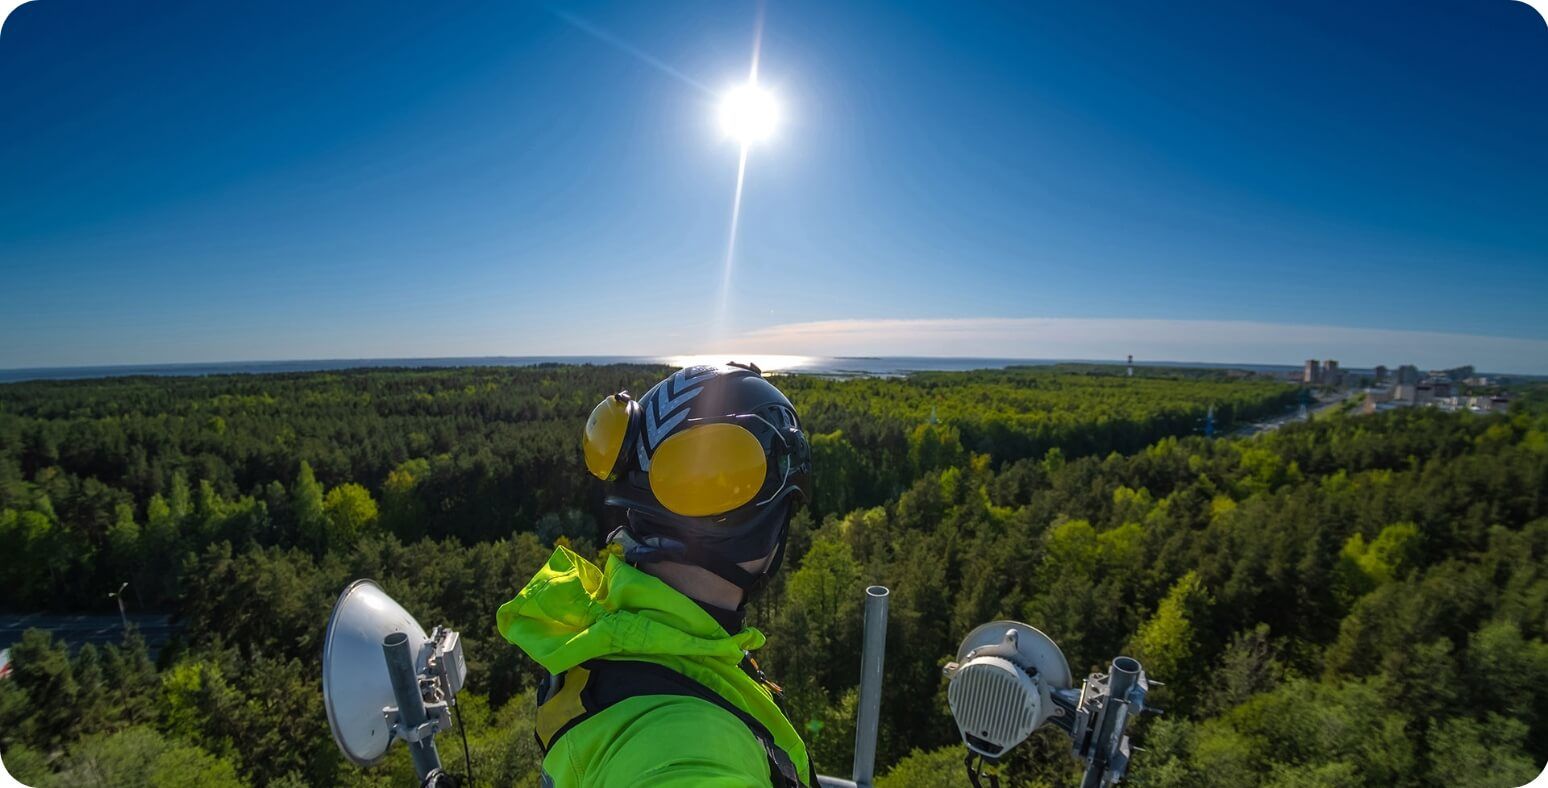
(749, 114)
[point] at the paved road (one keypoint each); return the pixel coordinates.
(1310, 413)
(80, 630)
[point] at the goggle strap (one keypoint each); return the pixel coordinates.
(631, 432)
(768, 574)
(647, 551)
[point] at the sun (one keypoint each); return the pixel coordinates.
(749, 114)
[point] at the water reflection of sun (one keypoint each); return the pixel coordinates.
(765, 361)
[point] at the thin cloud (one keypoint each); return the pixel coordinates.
(1209, 341)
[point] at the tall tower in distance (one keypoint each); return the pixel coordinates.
(1131, 365)
(1331, 376)
(1311, 374)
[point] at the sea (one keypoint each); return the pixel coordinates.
(833, 366)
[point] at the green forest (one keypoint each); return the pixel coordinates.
(1352, 601)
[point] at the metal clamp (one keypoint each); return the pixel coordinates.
(439, 714)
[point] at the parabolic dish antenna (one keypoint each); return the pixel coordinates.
(1002, 685)
(356, 683)
(1034, 648)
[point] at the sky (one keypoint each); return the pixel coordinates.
(1211, 181)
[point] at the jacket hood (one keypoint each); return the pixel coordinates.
(572, 611)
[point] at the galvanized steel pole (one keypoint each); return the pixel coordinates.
(411, 704)
(873, 652)
(1121, 678)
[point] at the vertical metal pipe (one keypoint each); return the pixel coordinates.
(868, 716)
(1121, 678)
(411, 705)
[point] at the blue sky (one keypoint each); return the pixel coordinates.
(1216, 181)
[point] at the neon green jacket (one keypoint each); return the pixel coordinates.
(571, 612)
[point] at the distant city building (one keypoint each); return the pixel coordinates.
(1131, 365)
(1441, 389)
(1480, 404)
(1311, 374)
(1331, 376)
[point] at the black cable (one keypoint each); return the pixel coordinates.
(976, 771)
(972, 773)
(467, 760)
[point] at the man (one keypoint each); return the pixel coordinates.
(651, 680)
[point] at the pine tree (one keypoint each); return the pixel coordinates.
(41, 667)
(95, 707)
(131, 675)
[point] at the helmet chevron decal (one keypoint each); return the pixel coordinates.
(666, 406)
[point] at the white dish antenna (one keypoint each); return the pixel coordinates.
(1001, 685)
(384, 679)
(1009, 680)
(1033, 648)
(356, 684)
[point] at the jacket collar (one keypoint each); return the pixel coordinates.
(572, 611)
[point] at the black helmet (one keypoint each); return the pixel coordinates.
(709, 466)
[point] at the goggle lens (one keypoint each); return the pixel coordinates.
(708, 469)
(605, 433)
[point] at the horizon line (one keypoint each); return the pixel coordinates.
(388, 362)
(1170, 341)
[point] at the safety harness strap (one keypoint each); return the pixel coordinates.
(585, 690)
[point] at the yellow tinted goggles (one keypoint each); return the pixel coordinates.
(706, 469)
(609, 430)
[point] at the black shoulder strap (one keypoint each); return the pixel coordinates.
(583, 691)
